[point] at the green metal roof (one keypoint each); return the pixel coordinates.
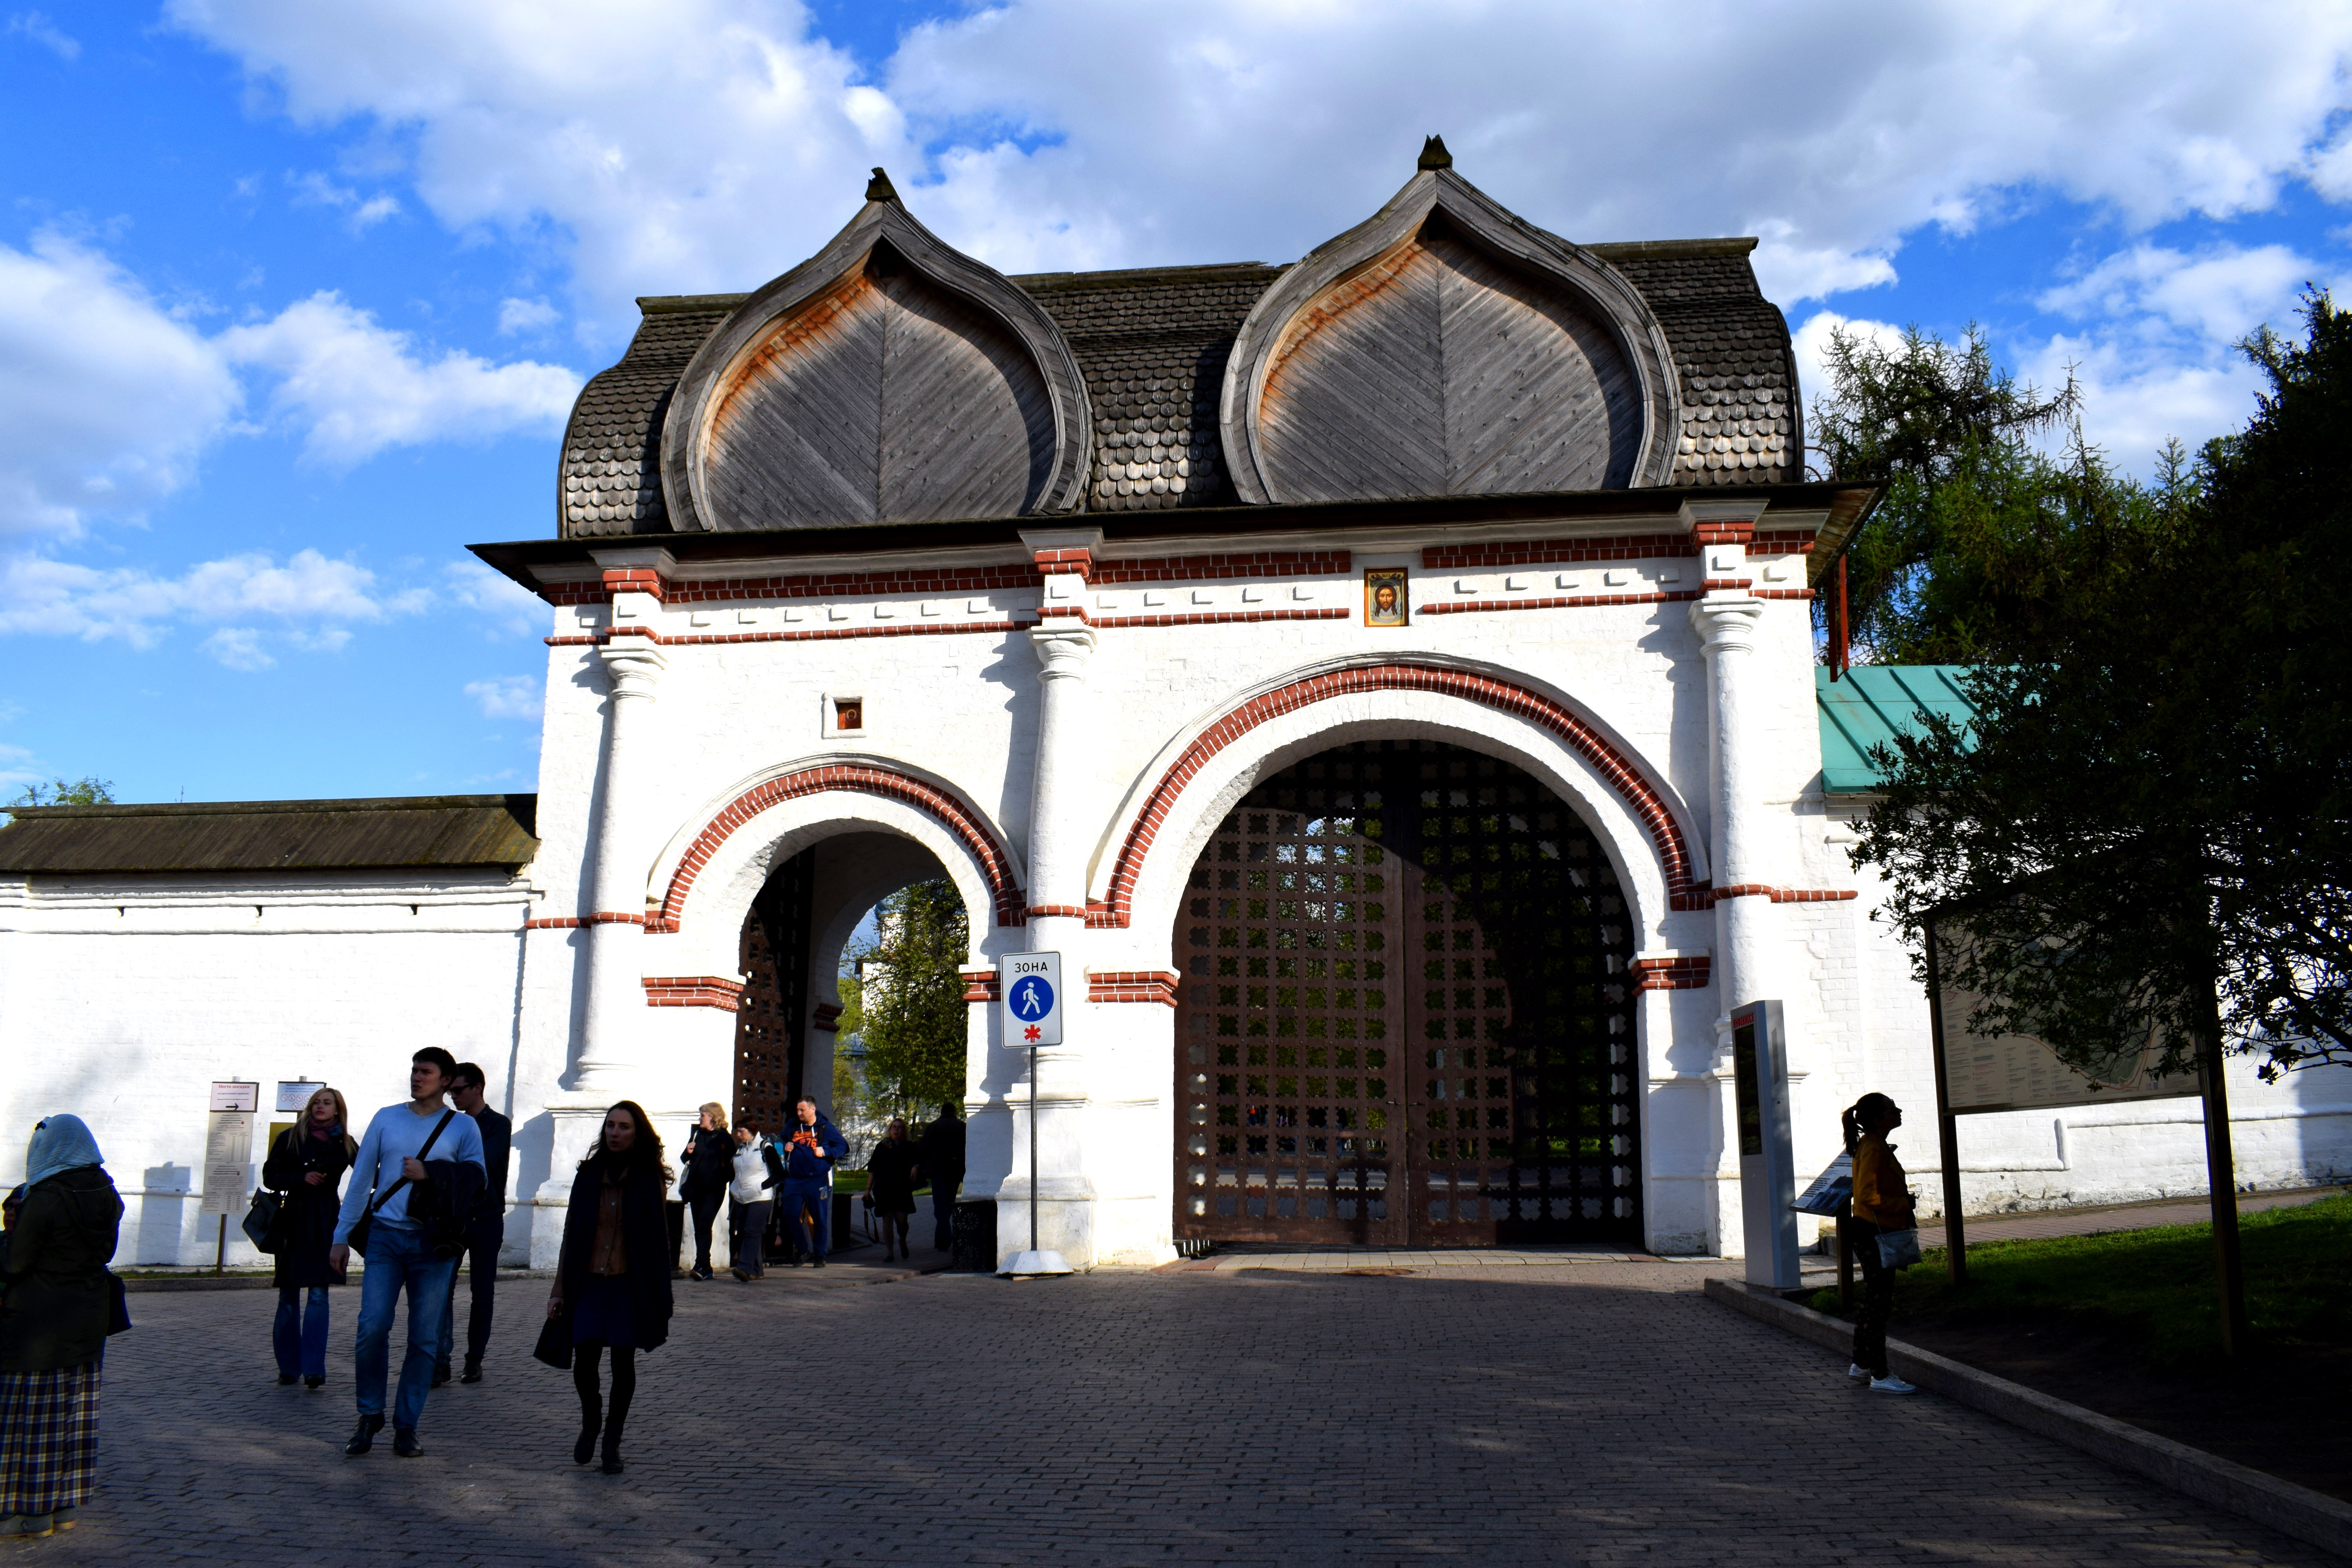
(1873, 703)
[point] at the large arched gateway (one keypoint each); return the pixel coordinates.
(1407, 1012)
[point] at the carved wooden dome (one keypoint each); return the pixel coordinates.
(1446, 347)
(889, 378)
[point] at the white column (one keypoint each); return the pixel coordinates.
(1727, 623)
(615, 1009)
(1059, 799)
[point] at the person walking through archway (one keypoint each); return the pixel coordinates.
(890, 1185)
(708, 1159)
(1880, 1203)
(942, 1167)
(811, 1152)
(307, 1163)
(758, 1172)
(612, 1276)
(55, 1310)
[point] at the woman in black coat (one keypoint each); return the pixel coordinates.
(306, 1163)
(890, 1187)
(612, 1278)
(709, 1159)
(56, 1303)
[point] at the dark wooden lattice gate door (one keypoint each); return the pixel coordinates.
(1406, 1013)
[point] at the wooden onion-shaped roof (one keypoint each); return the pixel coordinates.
(1446, 347)
(889, 378)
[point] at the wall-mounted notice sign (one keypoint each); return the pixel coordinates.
(228, 1147)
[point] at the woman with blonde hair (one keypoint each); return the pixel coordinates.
(306, 1163)
(1882, 1202)
(708, 1159)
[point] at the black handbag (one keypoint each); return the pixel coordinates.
(554, 1345)
(362, 1227)
(118, 1304)
(261, 1216)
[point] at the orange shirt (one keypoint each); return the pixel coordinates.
(1880, 1193)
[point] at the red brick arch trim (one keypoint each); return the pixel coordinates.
(1648, 802)
(861, 779)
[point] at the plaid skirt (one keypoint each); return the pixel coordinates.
(49, 1439)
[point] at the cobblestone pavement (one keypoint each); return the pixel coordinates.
(1602, 1414)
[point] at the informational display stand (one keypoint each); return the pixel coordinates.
(1030, 989)
(1767, 1173)
(228, 1155)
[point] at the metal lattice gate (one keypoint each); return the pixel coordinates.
(1406, 1016)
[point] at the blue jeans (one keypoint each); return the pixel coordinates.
(300, 1336)
(800, 1197)
(397, 1256)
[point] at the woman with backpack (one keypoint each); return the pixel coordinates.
(612, 1278)
(1882, 1203)
(758, 1172)
(306, 1163)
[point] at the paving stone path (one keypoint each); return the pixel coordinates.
(1601, 1413)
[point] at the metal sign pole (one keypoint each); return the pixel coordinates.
(1033, 1003)
(1032, 1148)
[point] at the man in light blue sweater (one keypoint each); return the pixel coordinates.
(412, 1166)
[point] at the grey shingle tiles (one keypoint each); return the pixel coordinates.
(1152, 344)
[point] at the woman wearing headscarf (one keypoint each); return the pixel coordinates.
(55, 1304)
(306, 1163)
(615, 1272)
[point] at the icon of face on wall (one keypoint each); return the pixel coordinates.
(1384, 603)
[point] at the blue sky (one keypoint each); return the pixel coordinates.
(293, 297)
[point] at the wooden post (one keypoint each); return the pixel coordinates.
(1947, 1130)
(2222, 1180)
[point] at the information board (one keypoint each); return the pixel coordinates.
(228, 1147)
(2018, 1072)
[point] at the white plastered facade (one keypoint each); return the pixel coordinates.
(122, 999)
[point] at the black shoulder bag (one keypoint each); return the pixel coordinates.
(358, 1239)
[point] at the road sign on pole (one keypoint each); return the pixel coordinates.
(1031, 982)
(1031, 987)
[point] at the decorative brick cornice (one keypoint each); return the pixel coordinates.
(1647, 801)
(1264, 566)
(859, 778)
(910, 629)
(827, 1017)
(1132, 985)
(1571, 602)
(1041, 912)
(1788, 541)
(1727, 531)
(1781, 895)
(907, 583)
(982, 984)
(1066, 561)
(1678, 974)
(694, 991)
(1213, 617)
(1783, 593)
(1556, 551)
(573, 923)
(632, 580)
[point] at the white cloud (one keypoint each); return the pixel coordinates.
(355, 388)
(526, 315)
(1811, 341)
(105, 398)
(32, 25)
(314, 189)
(239, 648)
(2219, 295)
(508, 604)
(309, 595)
(724, 142)
(508, 696)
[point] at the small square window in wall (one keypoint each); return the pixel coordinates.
(845, 714)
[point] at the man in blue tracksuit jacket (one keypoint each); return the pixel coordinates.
(811, 1152)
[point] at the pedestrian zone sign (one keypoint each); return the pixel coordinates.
(1032, 986)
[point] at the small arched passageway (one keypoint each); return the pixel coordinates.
(1407, 1012)
(794, 938)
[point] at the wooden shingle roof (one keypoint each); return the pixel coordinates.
(413, 832)
(1152, 344)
